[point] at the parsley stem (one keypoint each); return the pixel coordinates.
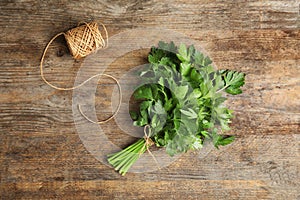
(222, 89)
(124, 159)
(124, 152)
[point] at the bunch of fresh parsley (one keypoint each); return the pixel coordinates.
(184, 106)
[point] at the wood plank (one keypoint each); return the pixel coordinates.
(141, 190)
(191, 15)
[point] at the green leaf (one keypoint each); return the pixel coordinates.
(140, 122)
(208, 69)
(191, 50)
(167, 63)
(197, 144)
(183, 53)
(185, 69)
(161, 81)
(143, 92)
(233, 90)
(221, 140)
(190, 113)
(219, 100)
(226, 140)
(218, 81)
(233, 81)
(181, 91)
(195, 75)
(155, 91)
(153, 59)
(198, 59)
(205, 134)
(207, 61)
(158, 108)
(155, 55)
(196, 93)
(168, 104)
(154, 121)
(167, 47)
(144, 112)
(133, 115)
(234, 78)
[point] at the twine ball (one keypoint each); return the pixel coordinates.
(84, 40)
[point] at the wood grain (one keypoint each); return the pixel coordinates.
(42, 155)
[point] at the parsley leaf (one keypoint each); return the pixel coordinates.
(233, 81)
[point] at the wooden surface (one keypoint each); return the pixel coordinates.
(42, 156)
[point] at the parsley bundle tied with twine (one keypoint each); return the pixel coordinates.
(182, 107)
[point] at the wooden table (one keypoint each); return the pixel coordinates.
(42, 155)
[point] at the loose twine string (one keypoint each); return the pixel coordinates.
(82, 41)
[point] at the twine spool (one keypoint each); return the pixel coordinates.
(82, 41)
(85, 39)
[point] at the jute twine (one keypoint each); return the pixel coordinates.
(148, 143)
(82, 41)
(85, 39)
